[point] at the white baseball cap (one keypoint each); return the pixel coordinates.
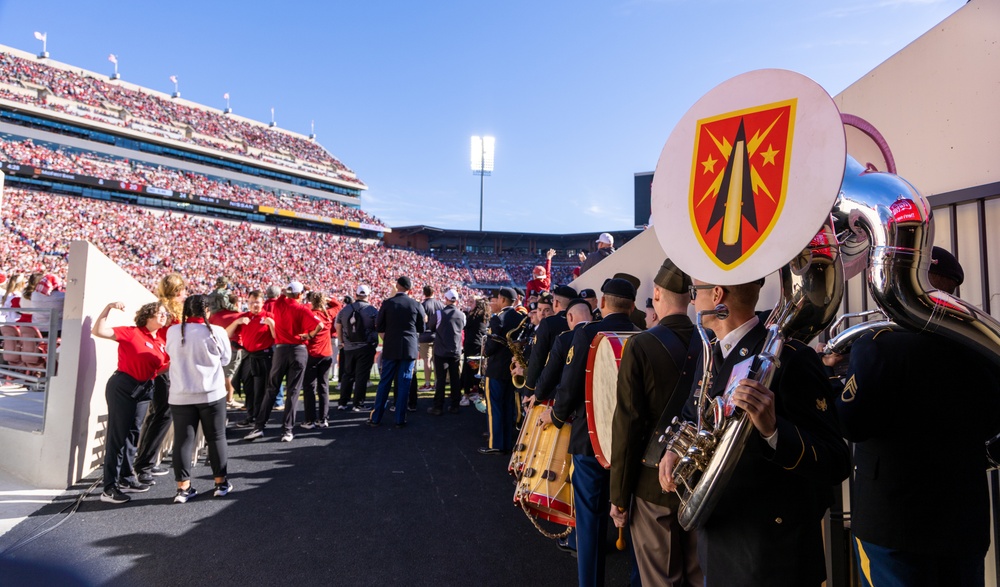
(295, 287)
(451, 295)
(606, 239)
(364, 290)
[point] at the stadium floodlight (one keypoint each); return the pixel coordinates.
(114, 59)
(273, 123)
(177, 92)
(481, 161)
(44, 38)
(228, 110)
(312, 130)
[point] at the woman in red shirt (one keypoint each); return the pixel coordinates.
(316, 381)
(141, 356)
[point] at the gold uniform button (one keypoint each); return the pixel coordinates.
(777, 520)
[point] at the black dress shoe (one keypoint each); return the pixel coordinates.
(372, 424)
(403, 425)
(453, 410)
(434, 411)
(485, 450)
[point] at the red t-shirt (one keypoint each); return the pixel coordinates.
(256, 335)
(320, 345)
(141, 353)
(224, 318)
(291, 319)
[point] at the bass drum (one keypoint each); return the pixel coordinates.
(544, 490)
(602, 390)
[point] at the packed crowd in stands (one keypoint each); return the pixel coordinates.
(39, 228)
(111, 103)
(26, 152)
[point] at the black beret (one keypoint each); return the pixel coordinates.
(565, 291)
(629, 278)
(588, 293)
(617, 286)
(946, 265)
(533, 306)
(506, 292)
(545, 298)
(671, 278)
(404, 282)
(649, 302)
(576, 302)
(519, 291)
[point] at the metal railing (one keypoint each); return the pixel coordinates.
(28, 362)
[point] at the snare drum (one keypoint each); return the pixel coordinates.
(602, 390)
(529, 429)
(545, 489)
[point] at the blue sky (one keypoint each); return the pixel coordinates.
(579, 95)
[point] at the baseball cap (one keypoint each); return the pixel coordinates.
(538, 271)
(606, 238)
(451, 295)
(363, 290)
(295, 287)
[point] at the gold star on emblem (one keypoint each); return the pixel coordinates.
(709, 164)
(769, 155)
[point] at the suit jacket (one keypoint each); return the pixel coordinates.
(498, 365)
(891, 406)
(646, 379)
(571, 395)
(399, 321)
(545, 335)
(545, 387)
(766, 528)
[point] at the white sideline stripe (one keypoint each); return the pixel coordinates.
(344, 426)
(30, 492)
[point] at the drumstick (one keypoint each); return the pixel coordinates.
(620, 544)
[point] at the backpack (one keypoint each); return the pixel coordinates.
(356, 330)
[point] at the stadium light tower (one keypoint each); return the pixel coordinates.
(44, 38)
(481, 160)
(114, 59)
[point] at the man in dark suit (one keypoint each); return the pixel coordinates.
(399, 321)
(766, 528)
(590, 479)
(651, 371)
(545, 334)
(500, 406)
(893, 397)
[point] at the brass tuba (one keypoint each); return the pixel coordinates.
(888, 226)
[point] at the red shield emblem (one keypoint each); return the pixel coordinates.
(738, 179)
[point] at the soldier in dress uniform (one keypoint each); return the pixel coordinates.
(545, 334)
(590, 479)
(500, 402)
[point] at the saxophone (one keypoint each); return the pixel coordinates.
(517, 339)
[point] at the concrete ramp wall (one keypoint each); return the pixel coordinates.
(71, 443)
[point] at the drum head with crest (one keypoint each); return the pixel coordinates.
(748, 176)
(602, 390)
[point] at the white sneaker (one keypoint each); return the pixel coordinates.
(254, 434)
(287, 437)
(307, 425)
(464, 401)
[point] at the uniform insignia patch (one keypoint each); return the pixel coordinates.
(821, 404)
(850, 390)
(534, 340)
(744, 352)
(569, 356)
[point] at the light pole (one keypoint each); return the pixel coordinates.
(481, 160)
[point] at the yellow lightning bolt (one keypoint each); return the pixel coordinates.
(759, 138)
(757, 183)
(724, 147)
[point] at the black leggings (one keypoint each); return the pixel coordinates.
(213, 422)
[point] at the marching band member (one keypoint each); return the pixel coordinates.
(499, 387)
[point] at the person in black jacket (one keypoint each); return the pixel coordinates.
(500, 407)
(577, 316)
(766, 529)
(893, 396)
(605, 246)
(399, 321)
(476, 324)
(447, 353)
(545, 335)
(591, 490)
